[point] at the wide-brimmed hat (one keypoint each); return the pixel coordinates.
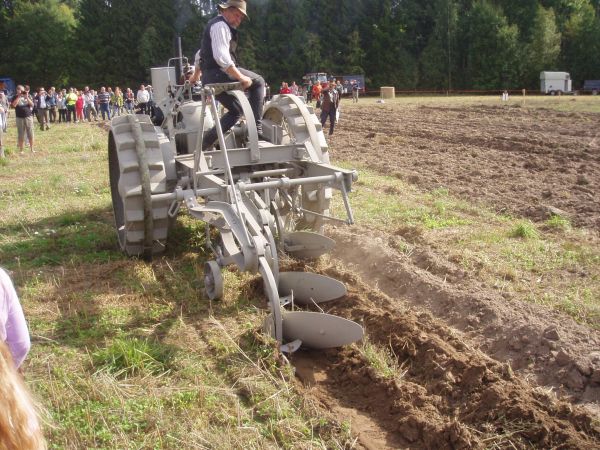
(239, 4)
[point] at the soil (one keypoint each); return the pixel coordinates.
(529, 162)
(474, 370)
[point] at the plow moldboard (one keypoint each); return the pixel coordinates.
(310, 287)
(319, 330)
(307, 245)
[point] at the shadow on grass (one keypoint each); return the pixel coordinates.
(101, 296)
(74, 237)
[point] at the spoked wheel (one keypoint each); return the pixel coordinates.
(137, 171)
(213, 280)
(299, 125)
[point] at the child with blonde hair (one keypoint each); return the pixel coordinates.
(19, 424)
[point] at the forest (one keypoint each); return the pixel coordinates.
(410, 44)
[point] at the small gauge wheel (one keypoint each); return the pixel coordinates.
(213, 280)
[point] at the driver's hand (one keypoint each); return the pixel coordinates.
(246, 81)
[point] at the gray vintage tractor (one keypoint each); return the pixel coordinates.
(259, 198)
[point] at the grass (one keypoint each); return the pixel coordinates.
(382, 359)
(524, 230)
(560, 223)
(128, 354)
(131, 356)
(567, 104)
(375, 201)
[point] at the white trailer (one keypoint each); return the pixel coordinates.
(555, 83)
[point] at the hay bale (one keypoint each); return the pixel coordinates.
(388, 92)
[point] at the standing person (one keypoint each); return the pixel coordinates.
(143, 97)
(150, 106)
(4, 104)
(129, 101)
(79, 106)
(112, 96)
(329, 106)
(316, 93)
(355, 91)
(340, 91)
(294, 88)
(284, 88)
(89, 105)
(41, 107)
(118, 102)
(2, 120)
(219, 65)
(23, 104)
(52, 106)
(96, 104)
(61, 103)
(71, 99)
(103, 103)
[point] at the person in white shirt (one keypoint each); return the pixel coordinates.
(2, 120)
(89, 105)
(218, 62)
(143, 97)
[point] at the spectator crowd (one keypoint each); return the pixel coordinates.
(89, 105)
(327, 96)
(68, 106)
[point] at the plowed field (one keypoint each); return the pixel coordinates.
(474, 370)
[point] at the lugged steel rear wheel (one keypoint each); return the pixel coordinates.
(301, 125)
(137, 171)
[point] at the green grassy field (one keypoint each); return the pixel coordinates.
(565, 103)
(128, 354)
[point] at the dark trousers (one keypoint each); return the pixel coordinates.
(234, 109)
(105, 111)
(331, 115)
(71, 113)
(62, 115)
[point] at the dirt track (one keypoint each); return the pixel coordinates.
(459, 341)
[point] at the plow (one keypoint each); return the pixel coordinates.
(259, 197)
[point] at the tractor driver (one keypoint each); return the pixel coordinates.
(219, 65)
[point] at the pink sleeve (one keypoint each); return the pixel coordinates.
(17, 334)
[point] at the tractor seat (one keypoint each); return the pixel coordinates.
(218, 88)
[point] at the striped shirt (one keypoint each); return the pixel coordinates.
(103, 98)
(220, 36)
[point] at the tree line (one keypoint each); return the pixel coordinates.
(409, 44)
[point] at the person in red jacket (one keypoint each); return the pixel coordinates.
(79, 106)
(316, 93)
(285, 88)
